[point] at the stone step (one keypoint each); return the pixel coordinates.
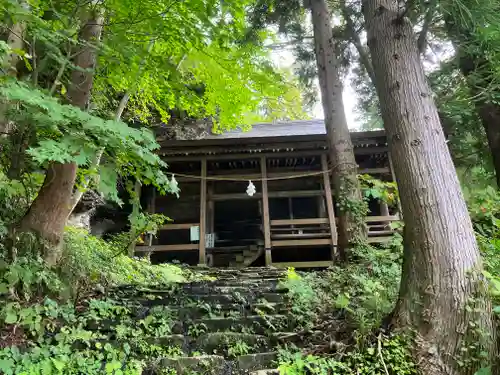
(243, 290)
(215, 342)
(245, 273)
(226, 310)
(253, 362)
(238, 282)
(214, 364)
(230, 299)
(265, 372)
(224, 342)
(255, 323)
(204, 364)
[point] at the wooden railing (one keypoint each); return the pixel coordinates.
(175, 247)
(293, 232)
(380, 229)
(316, 231)
(300, 232)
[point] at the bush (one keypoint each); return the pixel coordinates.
(93, 259)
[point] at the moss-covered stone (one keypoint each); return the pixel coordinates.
(222, 341)
(252, 362)
(203, 365)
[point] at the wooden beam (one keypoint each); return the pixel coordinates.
(160, 248)
(378, 233)
(178, 226)
(272, 194)
(203, 211)
(299, 236)
(311, 221)
(379, 239)
(185, 154)
(248, 175)
(329, 205)
(316, 264)
(373, 171)
(310, 242)
(265, 211)
(375, 219)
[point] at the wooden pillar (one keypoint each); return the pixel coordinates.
(321, 205)
(151, 209)
(210, 219)
(136, 209)
(398, 203)
(329, 204)
(265, 212)
(203, 211)
(384, 211)
(210, 209)
(290, 211)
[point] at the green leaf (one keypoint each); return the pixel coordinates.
(484, 371)
(11, 317)
(4, 288)
(58, 364)
(342, 301)
(7, 366)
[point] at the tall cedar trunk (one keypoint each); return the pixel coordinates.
(440, 247)
(49, 212)
(476, 68)
(15, 41)
(351, 227)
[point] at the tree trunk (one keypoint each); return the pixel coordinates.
(352, 210)
(489, 112)
(440, 246)
(49, 212)
(15, 42)
(477, 70)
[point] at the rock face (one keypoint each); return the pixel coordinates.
(184, 130)
(231, 325)
(85, 209)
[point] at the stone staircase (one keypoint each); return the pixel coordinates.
(235, 256)
(231, 325)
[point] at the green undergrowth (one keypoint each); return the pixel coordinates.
(340, 312)
(57, 320)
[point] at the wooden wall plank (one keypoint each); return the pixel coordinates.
(160, 248)
(374, 219)
(311, 242)
(309, 221)
(178, 226)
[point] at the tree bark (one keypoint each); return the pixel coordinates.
(49, 211)
(351, 226)
(440, 246)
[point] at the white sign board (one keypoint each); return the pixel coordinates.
(194, 233)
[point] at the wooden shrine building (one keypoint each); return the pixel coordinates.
(288, 221)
